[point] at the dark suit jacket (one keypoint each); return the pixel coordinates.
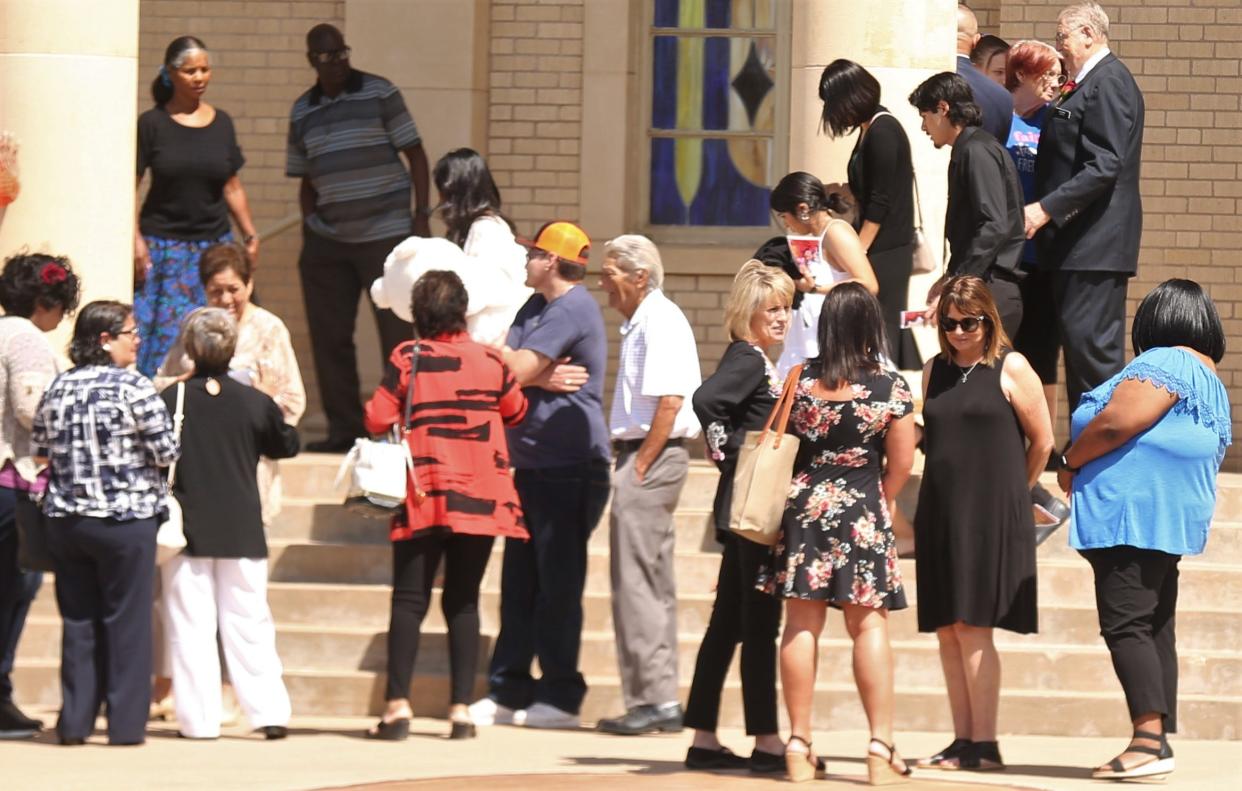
(993, 100)
(984, 222)
(1087, 174)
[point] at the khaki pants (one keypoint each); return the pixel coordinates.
(644, 592)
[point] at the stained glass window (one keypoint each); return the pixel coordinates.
(713, 66)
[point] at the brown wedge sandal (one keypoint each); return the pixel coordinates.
(803, 766)
(882, 766)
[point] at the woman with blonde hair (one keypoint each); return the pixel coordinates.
(735, 399)
(987, 435)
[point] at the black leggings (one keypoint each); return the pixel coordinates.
(740, 614)
(414, 564)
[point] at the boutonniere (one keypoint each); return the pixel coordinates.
(1066, 90)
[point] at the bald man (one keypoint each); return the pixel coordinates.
(993, 100)
(347, 136)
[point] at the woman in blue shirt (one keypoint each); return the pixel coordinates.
(1147, 445)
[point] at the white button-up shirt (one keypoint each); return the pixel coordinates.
(658, 358)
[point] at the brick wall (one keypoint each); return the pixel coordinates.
(535, 114)
(988, 14)
(1185, 57)
(258, 68)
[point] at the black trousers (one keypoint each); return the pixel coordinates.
(1091, 311)
(414, 564)
(892, 274)
(1136, 595)
(17, 590)
(333, 275)
(541, 587)
(1007, 295)
(740, 614)
(103, 588)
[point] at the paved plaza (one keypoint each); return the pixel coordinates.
(331, 753)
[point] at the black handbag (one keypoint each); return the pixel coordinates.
(32, 545)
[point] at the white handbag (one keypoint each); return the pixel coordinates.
(170, 538)
(380, 470)
(924, 254)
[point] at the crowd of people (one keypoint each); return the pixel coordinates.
(495, 365)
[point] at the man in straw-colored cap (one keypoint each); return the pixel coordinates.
(557, 349)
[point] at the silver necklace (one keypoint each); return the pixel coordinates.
(966, 372)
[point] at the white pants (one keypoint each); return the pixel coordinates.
(201, 595)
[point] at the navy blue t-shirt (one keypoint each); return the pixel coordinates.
(561, 429)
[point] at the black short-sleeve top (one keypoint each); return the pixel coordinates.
(189, 168)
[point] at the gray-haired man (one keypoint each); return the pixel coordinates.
(651, 419)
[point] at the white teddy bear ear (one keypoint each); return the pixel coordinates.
(378, 295)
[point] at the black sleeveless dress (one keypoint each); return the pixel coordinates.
(974, 531)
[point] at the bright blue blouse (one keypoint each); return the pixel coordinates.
(1158, 490)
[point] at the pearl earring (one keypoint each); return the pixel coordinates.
(804, 216)
(107, 347)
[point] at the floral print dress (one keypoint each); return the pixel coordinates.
(836, 543)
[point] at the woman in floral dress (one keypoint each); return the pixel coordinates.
(853, 418)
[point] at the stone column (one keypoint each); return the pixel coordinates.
(901, 42)
(67, 75)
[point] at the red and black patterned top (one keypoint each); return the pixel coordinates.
(464, 395)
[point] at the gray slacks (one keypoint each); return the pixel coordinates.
(644, 592)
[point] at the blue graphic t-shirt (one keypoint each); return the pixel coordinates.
(1023, 145)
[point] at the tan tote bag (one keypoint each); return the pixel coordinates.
(764, 470)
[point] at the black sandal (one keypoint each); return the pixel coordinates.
(394, 731)
(981, 757)
(954, 751)
(1159, 766)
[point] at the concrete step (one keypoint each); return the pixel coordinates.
(1061, 581)
(366, 607)
(1100, 713)
(304, 520)
(1033, 667)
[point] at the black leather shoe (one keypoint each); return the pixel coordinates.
(14, 724)
(644, 719)
(724, 758)
(766, 763)
(274, 732)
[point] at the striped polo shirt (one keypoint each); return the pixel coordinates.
(349, 146)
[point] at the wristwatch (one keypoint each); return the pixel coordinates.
(1065, 465)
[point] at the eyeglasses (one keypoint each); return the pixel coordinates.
(332, 56)
(968, 324)
(131, 331)
(1060, 37)
(1058, 78)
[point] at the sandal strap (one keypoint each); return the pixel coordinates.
(807, 742)
(1138, 748)
(1155, 737)
(892, 751)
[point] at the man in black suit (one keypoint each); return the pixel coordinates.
(1089, 217)
(983, 223)
(993, 100)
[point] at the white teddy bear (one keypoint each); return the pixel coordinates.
(495, 280)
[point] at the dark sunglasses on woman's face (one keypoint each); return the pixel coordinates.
(968, 324)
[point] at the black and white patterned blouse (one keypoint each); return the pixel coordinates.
(107, 434)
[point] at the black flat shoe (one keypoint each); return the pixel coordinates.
(463, 730)
(766, 763)
(395, 731)
(948, 754)
(274, 732)
(723, 758)
(981, 757)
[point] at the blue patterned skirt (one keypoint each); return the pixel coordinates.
(172, 289)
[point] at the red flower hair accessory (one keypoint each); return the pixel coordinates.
(53, 273)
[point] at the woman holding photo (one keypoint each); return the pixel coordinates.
(832, 255)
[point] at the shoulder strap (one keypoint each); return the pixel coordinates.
(178, 420)
(780, 410)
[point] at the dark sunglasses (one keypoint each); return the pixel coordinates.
(968, 324)
(335, 56)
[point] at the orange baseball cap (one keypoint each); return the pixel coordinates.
(562, 239)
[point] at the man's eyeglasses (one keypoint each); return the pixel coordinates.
(334, 56)
(968, 324)
(1061, 38)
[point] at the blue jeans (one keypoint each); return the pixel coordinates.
(541, 587)
(17, 590)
